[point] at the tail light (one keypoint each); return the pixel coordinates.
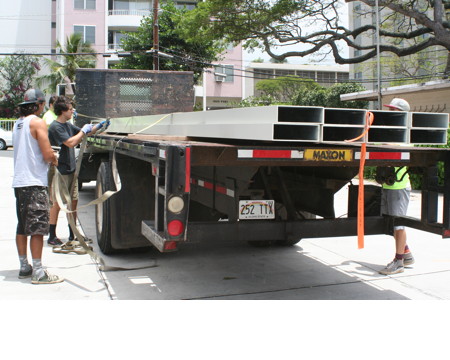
(175, 228)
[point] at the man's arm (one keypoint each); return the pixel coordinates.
(74, 140)
(38, 129)
(87, 129)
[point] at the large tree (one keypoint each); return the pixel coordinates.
(194, 54)
(316, 26)
(78, 54)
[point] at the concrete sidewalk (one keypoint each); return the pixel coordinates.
(82, 279)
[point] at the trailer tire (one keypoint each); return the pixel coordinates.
(260, 243)
(102, 211)
(288, 242)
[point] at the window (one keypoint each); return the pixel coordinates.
(284, 72)
(326, 77)
(189, 5)
(263, 74)
(227, 70)
(88, 33)
(306, 74)
(132, 5)
(115, 40)
(342, 76)
(84, 4)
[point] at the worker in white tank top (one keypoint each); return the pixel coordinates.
(32, 168)
(32, 156)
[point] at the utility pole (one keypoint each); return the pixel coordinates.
(377, 13)
(155, 35)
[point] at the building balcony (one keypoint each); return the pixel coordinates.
(116, 47)
(126, 19)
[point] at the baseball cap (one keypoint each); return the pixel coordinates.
(33, 96)
(399, 104)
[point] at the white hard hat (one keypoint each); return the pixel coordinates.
(399, 104)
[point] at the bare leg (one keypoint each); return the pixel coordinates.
(54, 212)
(400, 241)
(21, 243)
(36, 245)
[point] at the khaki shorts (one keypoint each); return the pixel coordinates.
(67, 181)
(395, 202)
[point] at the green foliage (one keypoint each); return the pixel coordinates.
(251, 101)
(416, 179)
(276, 61)
(64, 71)
(258, 60)
(16, 75)
(285, 89)
(303, 92)
(330, 97)
(234, 20)
(189, 54)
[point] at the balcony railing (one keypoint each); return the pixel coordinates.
(115, 46)
(129, 12)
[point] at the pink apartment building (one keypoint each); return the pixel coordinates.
(103, 24)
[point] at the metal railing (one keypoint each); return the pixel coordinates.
(115, 46)
(129, 12)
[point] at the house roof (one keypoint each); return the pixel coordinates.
(372, 95)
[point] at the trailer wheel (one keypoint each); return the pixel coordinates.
(102, 211)
(260, 243)
(289, 242)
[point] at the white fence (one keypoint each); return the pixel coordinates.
(7, 124)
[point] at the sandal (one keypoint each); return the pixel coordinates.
(68, 247)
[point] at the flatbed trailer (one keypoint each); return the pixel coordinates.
(180, 189)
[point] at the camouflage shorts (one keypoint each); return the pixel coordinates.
(32, 208)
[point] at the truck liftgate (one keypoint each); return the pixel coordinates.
(178, 189)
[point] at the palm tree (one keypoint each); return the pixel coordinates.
(64, 72)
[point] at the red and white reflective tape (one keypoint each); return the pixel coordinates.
(209, 185)
(373, 155)
(270, 154)
(162, 154)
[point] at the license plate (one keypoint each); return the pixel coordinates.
(257, 209)
(328, 154)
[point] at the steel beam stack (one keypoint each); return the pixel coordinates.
(293, 124)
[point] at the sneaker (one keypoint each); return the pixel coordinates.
(46, 279)
(394, 267)
(408, 259)
(54, 242)
(23, 274)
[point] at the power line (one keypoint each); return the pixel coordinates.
(189, 61)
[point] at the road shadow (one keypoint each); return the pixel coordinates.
(226, 270)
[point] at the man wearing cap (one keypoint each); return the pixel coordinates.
(394, 201)
(32, 156)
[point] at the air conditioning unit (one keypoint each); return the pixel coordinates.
(219, 77)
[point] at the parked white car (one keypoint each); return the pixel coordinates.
(5, 139)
